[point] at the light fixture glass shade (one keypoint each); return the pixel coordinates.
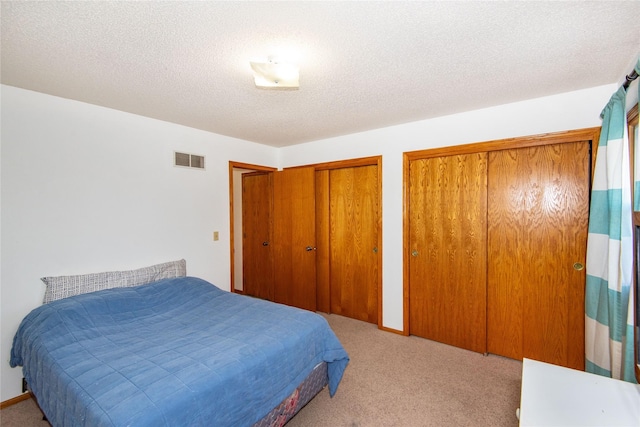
(272, 74)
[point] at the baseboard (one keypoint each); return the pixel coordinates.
(15, 400)
(395, 331)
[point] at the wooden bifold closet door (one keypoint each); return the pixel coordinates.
(278, 218)
(257, 206)
(447, 262)
(311, 237)
(294, 237)
(353, 242)
(496, 245)
(538, 217)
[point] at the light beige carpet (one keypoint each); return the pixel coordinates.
(394, 380)
(23, 414)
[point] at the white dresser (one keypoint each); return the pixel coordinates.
(556, 396)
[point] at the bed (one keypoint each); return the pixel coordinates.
(177, 351)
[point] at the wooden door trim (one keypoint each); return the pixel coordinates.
(349, 163)
(237, 165)
(587, 134)
(406, 163)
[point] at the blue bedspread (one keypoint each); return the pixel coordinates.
(175, 352)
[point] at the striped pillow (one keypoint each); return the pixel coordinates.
(65, 286)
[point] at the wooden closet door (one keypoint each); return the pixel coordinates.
(354, 224)
(447, 245)
(294, 253)
(257, 263)
(538, 224)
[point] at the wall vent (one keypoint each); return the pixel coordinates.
(188, 160)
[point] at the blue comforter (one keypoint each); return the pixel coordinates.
(175, 352)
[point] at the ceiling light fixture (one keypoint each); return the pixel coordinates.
(274, 74)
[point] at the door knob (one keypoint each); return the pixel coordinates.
(309, 248)
(265, 243)
(414, 253)
(578, 266)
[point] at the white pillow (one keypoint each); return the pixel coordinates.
(66, 286)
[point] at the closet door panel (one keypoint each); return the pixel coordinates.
(294, 238)
(354, 224)
(538, 223)
(509, 253)
(564, 173)
(447, 250)
(257, 265)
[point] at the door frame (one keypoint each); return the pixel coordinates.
(363, 161)
(587, 134)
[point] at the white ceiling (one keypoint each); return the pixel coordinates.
(363, 65)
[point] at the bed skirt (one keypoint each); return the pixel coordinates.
(281, 414)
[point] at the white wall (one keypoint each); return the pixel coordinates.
(88, 189)
(574, 110)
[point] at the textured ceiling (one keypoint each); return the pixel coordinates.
(363, 65)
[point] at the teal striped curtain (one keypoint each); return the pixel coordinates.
(608, 307)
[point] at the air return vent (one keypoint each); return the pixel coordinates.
(188, 160)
